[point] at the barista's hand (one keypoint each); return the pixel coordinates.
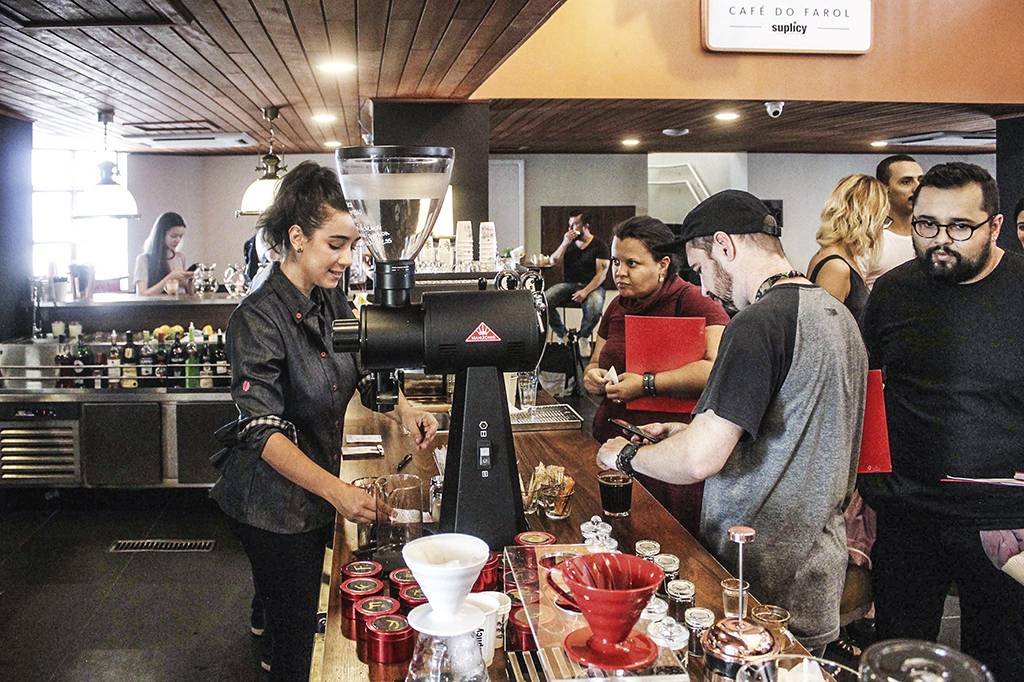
(355, 504)
(630, 386)
(609, 452)
(422, 426)
(595, 380)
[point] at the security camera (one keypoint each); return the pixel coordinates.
(774, 109)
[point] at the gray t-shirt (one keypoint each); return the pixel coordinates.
(791, 372)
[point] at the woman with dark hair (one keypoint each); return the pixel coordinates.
(161, 267)
(279, 483)
(645, 270)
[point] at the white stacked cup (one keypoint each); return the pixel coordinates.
(488, 247)
(463, 245)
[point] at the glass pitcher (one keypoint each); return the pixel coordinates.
(399, 516)
(455, 658)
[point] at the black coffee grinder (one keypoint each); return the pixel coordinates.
(395, 195)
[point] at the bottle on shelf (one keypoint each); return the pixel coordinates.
(191, 360)
(64, 363)
(160, 362)
(176, 364)
(82, 359)
(147, 361)
(221, 369)
(129, 362)
(206, 364)
(114, 362)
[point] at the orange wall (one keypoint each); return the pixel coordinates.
(966, 51)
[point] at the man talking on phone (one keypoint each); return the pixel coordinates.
(776, 432)
(586, 260)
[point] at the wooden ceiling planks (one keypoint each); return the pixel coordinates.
(591, 126)
(433, 21)
(403, 22)
(340, 21)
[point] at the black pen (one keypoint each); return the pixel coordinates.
(405, 460)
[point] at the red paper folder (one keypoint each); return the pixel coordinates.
(659, 344)
(875, 457)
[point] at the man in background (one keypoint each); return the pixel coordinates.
(586, 260)
(945, 330)
(901, 175)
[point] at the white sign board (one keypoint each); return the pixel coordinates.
(815, 26)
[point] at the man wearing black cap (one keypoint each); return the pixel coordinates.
(776, 433)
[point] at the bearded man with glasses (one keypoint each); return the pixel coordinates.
(946, 329)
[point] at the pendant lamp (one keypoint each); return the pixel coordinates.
(260, 193)
(106, 199)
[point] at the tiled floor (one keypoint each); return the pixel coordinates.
(70, 610)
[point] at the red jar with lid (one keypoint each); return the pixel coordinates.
(389, 639)
(369, 608)
(410, 597)
(361, 569)
(534, 538)
(354, 589)
(521, 635)
(399, 578)
(489, 574)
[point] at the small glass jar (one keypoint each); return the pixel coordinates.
(595, 527)
(682, 595)
(656, 609)
(602, 543)
(697, 621)
(647, 549)
(672, 640)
(669, 563)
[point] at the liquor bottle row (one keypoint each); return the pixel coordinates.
(150, 362)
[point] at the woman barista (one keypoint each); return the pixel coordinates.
(279, 482)
(161, 267)
(649, 285)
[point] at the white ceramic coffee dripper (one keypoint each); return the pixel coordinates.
(446, 566)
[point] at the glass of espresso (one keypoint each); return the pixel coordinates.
(616, 492)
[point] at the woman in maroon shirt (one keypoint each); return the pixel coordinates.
(647, 279)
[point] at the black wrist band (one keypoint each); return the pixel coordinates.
(624, 461)
(648, 384)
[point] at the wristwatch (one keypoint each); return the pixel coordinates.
(624, 461)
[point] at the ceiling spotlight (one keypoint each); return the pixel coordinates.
(324, 118)
(880, 143)
(630, 142)
(336, 67)
(726, 116)
(332, 144)
(675, 132)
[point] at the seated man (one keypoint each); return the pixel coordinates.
(586, 264)
(777, 431)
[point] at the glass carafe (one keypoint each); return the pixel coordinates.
(399, 517)
(455, 658)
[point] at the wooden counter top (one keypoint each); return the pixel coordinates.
(575, 451)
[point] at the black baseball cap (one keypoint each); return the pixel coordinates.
(731, 211)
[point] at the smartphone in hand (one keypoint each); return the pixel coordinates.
(634, 431)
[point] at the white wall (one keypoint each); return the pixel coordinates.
(580, 179)
(711, 172)
(804, 181)
(206, 191)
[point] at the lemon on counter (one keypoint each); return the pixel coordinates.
(208, 330)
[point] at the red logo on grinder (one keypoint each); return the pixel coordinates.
(483, 334)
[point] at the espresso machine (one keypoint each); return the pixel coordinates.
(394, 194)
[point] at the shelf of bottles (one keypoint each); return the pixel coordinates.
(188, 359)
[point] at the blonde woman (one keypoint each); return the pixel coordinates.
(851, 226)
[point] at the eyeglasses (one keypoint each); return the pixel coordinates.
(957, 231)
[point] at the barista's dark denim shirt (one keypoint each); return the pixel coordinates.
(284, 379)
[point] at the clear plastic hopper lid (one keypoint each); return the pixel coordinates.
(395, 195)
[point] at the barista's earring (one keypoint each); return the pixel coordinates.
(661, 278)
(298, 249)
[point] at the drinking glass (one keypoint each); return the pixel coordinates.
(528, 390)
(774, 619)
(731, 598)
(616, 492)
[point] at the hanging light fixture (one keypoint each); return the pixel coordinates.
(106, 199)
(260, 193)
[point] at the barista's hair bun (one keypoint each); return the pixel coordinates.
(301, 199)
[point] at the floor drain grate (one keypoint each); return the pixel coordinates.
(162, 546)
